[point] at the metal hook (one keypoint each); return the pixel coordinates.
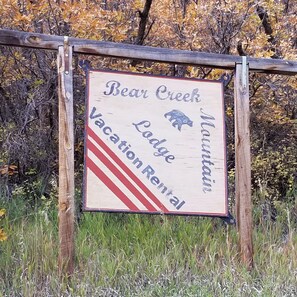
(244, 72)
(66, 54)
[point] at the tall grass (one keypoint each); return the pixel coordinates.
(134, 255)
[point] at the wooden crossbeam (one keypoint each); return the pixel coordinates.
(148, 53)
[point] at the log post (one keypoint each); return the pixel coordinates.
(66, 160)
(243, 163)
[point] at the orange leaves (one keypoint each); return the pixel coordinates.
(212, 25)
(93, 22)
(8, 170)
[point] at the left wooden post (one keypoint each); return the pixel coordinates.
(66, 160)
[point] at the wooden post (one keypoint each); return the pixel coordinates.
(66, 160)
(243, 163)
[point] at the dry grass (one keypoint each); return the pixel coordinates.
(133, 255)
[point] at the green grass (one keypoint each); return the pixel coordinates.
(133, 255)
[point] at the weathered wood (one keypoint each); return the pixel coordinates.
(121, 50)
(243, 164)
(66, 160)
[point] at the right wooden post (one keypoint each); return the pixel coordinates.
(243, 163)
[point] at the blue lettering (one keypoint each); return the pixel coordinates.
(113, 86)
(147, 134)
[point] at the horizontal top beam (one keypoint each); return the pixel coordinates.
(137, 52)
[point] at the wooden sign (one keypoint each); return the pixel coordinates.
(154, 145)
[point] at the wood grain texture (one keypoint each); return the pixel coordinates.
(66, 161)
(121, 50)
(164, 133)
(243, 165)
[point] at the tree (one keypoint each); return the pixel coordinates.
(28, 97)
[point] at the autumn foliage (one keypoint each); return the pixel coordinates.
(28, 83)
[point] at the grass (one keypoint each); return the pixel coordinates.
(133, 255)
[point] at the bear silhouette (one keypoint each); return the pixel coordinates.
(178, 118)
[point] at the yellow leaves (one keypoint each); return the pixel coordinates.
(260, 46)
(216, 74)
(229, 111)
(3, 235)
(93, 22)
(194, 71)
(137, 5)
(270, 167)
(2, 212)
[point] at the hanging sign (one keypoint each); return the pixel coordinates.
(154, 145)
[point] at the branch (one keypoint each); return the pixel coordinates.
(143, 21)
(149, 29)
(263, 15)
(240, 49)
(142, 26)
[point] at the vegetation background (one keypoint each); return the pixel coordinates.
(123, 255)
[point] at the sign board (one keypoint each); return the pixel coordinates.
(154, 145)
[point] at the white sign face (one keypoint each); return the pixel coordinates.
(155, 145)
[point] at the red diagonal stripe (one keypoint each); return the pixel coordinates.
(109, 183)
(120, 176)
(126, 169)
